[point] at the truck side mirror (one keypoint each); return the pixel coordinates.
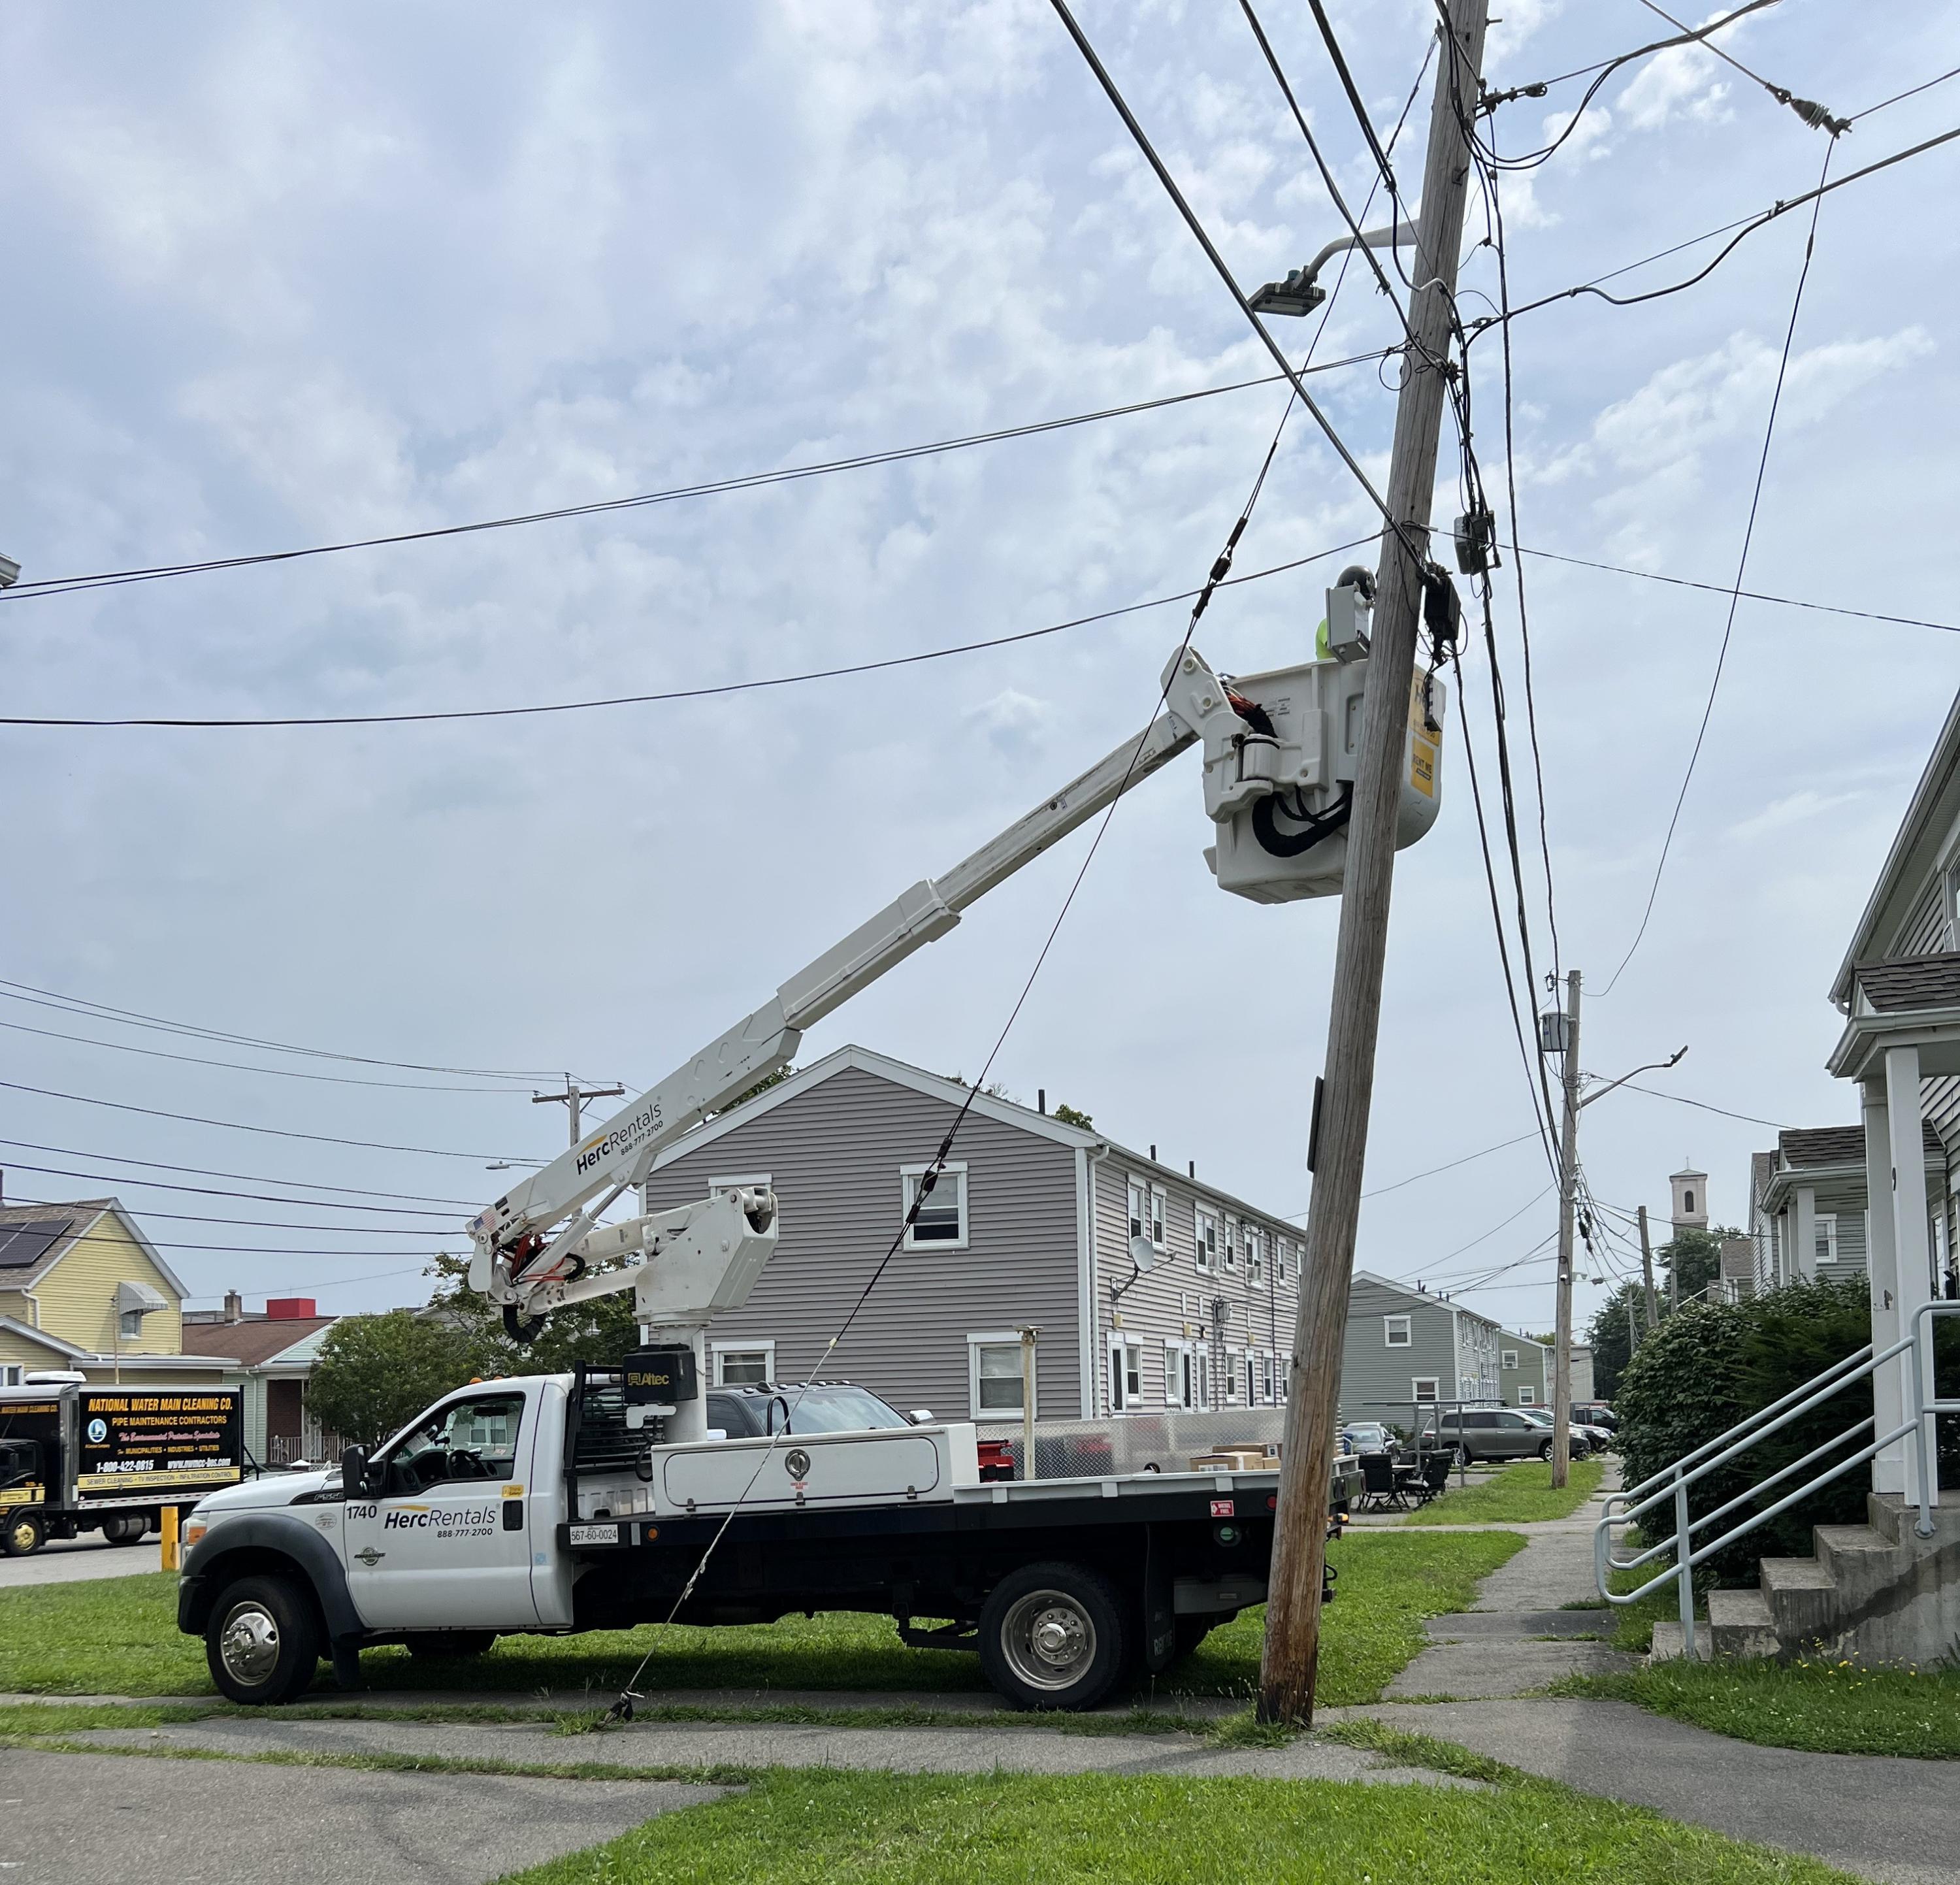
(353, 1471)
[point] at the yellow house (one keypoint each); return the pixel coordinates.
(81, 1287)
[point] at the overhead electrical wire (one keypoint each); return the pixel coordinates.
(246, 1178)
(216, 1191)
(211, 723)
(1812, 113)
(121, 1242)
(1682, 1100)
(709, 487)
(269, 1132)
(1741, 566)
(90, 1009)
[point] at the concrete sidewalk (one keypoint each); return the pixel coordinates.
(70, 1560)
(1886, 1819)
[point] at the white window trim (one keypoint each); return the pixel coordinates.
(1135, 1191)
(1527, 1395)
(1256, 1241)
(1158, 1228)
(12, 1373)
(1208, 1254)
(995, 1339)
(1177, 1353)
(1508, 1360)
(1434, 1383)
(1826, 1234)
(1268, 1394)
(1389, 1326)
(719, 1350)
(1120, 1400)
(741, 1181)
(1231, 1230)
(960, 1243)
(1235, 1376)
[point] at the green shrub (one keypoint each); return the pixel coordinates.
(1712, 1365)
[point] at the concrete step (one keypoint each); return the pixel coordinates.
(1667, 1646)
(1801, 1594)
(1740, 1625)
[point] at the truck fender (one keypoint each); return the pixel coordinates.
(270, 1533)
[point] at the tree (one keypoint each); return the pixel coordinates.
(1694, 1258)
(1611, 1339)
(599, 1332)
(1074, 1116)
(376, 1373)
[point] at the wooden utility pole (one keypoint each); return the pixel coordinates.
(1646, 1273)
(1300, 1542)
(575, 1097)
(1568, 1199)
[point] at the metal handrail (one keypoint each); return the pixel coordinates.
(1623, 1507)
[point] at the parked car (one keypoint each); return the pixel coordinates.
(1368, 1436)
(1596, 1414)
(1585, 1440)
(1499, 1433)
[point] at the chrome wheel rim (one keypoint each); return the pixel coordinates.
(249, 1645)
(1049, 1639)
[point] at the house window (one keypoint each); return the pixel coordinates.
(1203, 1357)
(1527, 1395)
(1395, 1333)
(994, 1374)
(1510, 1359)
(1425, 1388)
(1231, 1245)
(1284, 1376)
(1282, 1258)
(1827, 1237)
(10, 1374)
(1157, 1217)
(1238, 1378)
(1207, 1239)
(1126, 1375)
(131, 1322)
(941, 1222)
(1140, 1208)
(1687, 1198)
(740, 1181)
(1266, 1378)
(1255, 1254)
(1180, 1375)
(738, 1363)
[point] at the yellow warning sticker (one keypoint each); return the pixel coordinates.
(1422, 767)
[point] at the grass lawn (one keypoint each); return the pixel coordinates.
(119, 1636)
(797, 1828)
(1519, 1496)
(1829, 1707)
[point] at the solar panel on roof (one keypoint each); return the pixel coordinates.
(22, 1245)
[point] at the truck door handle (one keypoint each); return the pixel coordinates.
(514, 1515)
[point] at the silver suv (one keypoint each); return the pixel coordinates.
(1500, 1433)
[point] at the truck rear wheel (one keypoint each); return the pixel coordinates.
(1051, 1636)
(262, 1642)
(23, 1534)
(126, 1529)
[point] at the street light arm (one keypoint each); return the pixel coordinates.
(1652, 1066)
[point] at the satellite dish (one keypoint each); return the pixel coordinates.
(1143, 1253)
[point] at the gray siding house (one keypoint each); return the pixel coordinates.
(1031, 1224)
(1524, 1370)
(1405, 1346)
(1808, 1206)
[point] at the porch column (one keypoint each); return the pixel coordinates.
(1803, 1268)
(1911, 1243)
(1882, 1263)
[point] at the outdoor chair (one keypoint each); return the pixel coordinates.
(1435, 1476)
(1380, 1493)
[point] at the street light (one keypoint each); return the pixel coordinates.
(10, 572)
(1300, 293)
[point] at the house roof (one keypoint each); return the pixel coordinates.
(74, 1221)
(1904, 983)
(12, 1326)
(1806, 1146)
(1512, 1335)
(1912, 856)
(253, 1344)
(1761, 1165)
(1427, 1299)
(985, 1105)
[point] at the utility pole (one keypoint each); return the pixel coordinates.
(1299, 1543)
(573, 1097)
(1646, 1272)
(1568, 1195)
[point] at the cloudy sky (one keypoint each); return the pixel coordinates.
(278, 278)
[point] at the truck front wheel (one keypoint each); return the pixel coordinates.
(262, 1643)
(23, 1534)
(1051, 1636)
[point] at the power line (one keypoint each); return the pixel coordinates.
(101, 1011)
(213, 1191)
(1742, 564)
(1812, 113)
(681, 693)
(235, 1066)
(1197, 228)
(1682, 1100)
(1899, 98)
(1748, 595)
(270, 1132)
(121, 1242)
(1747, 226)
(248, 1178)
(709, 487)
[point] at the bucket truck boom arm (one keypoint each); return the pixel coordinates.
(536, 1247)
